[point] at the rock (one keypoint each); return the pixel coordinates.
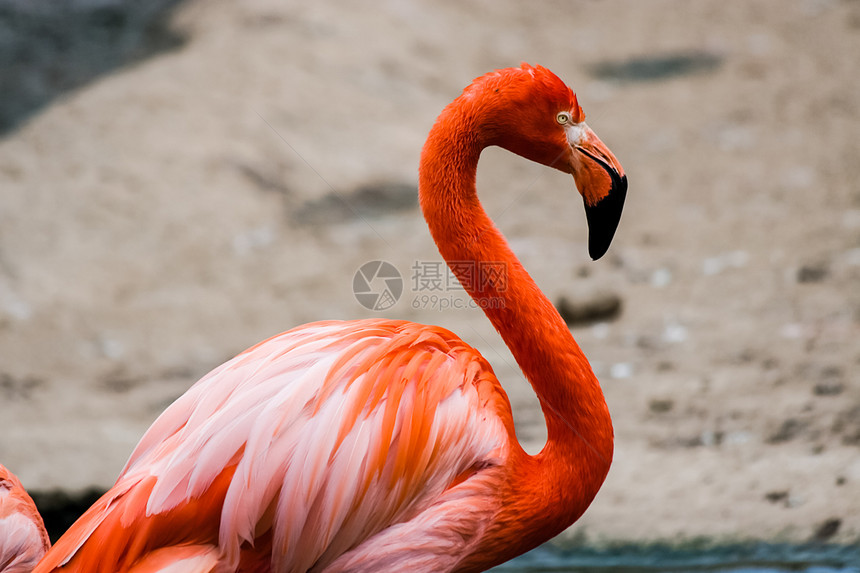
(661, 406)
(812, 273)
(656, 67)
(12, 388)
(50, 48)
(777, 496)
(597, 307)
(847, 424)
(830, 388)
(826, 530)
(789, 430)
(366, 202)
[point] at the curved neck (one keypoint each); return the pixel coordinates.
(578, 425)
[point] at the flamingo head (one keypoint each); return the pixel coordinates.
(531, 112)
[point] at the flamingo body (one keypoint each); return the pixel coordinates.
(380, 445)
(410, 426)
(23, 539)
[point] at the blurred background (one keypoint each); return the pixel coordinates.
(181, 179)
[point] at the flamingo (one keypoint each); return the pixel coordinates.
(23, 539)
(384, 445)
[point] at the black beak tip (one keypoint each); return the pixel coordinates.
(603, 218)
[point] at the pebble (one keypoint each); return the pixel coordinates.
(13, 305)
(792, 331)
(253, 240)
(661, 277)
(621, 370)
(675, 333)
(717, 264)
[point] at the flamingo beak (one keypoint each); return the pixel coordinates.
(603, 185)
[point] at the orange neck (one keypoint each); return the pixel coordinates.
(579, 446)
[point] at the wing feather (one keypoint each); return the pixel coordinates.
(333, 433)
(23, 539)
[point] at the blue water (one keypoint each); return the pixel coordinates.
(742, 558)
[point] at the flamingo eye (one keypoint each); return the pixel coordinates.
(563, 117)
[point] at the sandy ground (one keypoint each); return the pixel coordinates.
(160, 219)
